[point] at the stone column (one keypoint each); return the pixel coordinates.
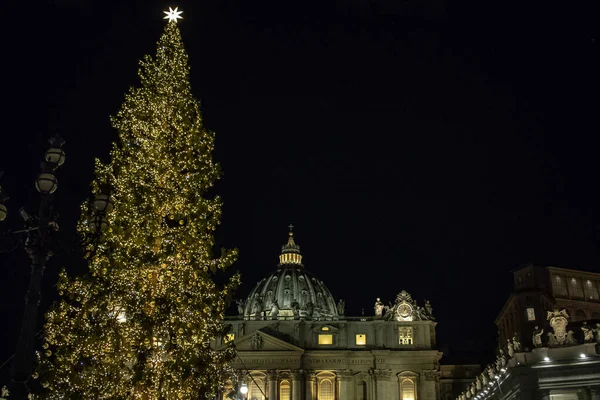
(427, 384)
(311, 386)
(346, 378)
(378, 334)
(382, 383)
(272, 377)
(595, 392)
(296, 382)
(584, 394)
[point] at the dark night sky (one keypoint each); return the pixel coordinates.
(432, 154)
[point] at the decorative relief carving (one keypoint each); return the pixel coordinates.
(558, 322)
(405, 309)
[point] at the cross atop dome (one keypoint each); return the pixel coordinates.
(290, 252)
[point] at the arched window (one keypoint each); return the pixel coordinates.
(407, 389)
(326, 390)
(255, 389)
(285, 391)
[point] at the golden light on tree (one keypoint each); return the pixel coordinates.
(138, 325)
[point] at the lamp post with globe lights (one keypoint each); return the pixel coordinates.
(244, 391)
(36, 237)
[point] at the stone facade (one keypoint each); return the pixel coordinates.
(541, 289)
(294, 342)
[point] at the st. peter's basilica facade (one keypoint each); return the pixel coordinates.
(295, 342)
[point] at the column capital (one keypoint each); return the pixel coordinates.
(382, 374)
(297, 374)
(345, 374)
(272, 374)
(311, 375)
(429, 375)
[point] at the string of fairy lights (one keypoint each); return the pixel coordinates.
(138, 326)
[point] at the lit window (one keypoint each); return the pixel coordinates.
(405, 335)
(559, 286)
(325, 339)
(326, 390)
(407, 388)
(230, 337)
(325, 328)
(575, 288)
(591, 291)
(361, 339)
(284, 390)
(530, 314)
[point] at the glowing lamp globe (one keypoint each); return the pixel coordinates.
(56, 156)
(244, 389)
(46, 183)
(103, 203)
(3, 212)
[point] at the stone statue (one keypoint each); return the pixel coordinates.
(510, 348)
(421, 313)
(295, 307)
(478, 385)
(240, 306)
(516, 343)
(429, 309)
(257, 341)
(502, 358)
(257, 309)
(378, 308)
(310, 309)
(597, 330)
(484, 379)
(275, 310)
(537, 337)
(490, 372)
(341, 307)
(588, 334)
(468, 393)
(472, 387)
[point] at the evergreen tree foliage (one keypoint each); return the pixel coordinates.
(138, 326)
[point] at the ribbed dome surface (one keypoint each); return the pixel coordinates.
(296, 291)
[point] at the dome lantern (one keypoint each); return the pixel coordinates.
(290, 252)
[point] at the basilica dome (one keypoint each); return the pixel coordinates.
(290, 291)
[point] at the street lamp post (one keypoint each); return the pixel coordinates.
(38, 234)
(244, 390)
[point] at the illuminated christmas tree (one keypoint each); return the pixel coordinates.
(138, 325)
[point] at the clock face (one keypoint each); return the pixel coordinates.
(404, 312)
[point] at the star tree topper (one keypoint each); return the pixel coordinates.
(173, 15)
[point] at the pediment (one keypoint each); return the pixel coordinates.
(261, 341)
